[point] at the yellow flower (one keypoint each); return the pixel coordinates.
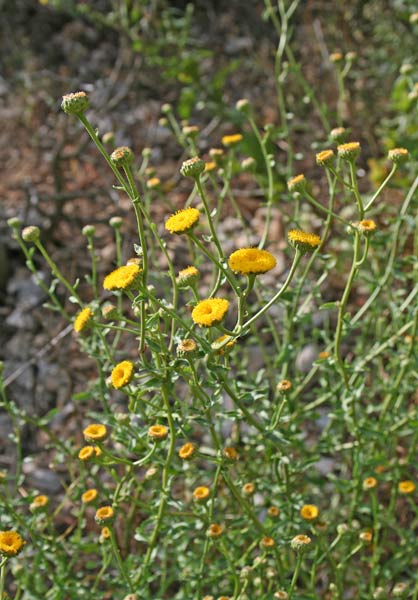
(338, 134)
(89, 496)
(369, 483)
(11, 543)
(323, 355)
(231, 140)
(214, 530)
(297, 183)
(183, 220)
(187, 276)
(122, 374)
(83, 319)
(406, 487)
(309, 512)
(88, 452)
(398, 155)
(201, 493)
(336, 57)
(209, 312)
(251, 261)
(366, 226)
(104, 514)
(267, 542)
(210, 166)
(230, 453)
(300, 541)
(187, 451)
(284, 385)
(222, 338)
(105, 533)
(305, 242)
(366, 536)
(349, 151)
(325, 158)
(123, 278)
(39, 502)
(186, 347)
(273, 511)
(95, 432)
(158, 432)
(248, 489)
(153, 183)
(281, 595)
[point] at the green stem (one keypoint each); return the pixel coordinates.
(119, 561)
(295, 576)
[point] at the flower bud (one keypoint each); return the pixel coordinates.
(14, 222)
(31, 234)
(187, 348)
(338, 134)
(398, 155)
(297, 184)
(75, 103)
(108, 137)
(116, 222)
(300, 542)
(166, 109)
(248, 164)
(349, 151)
(325, 158)
(122, 156)
(243, 106)
(192, 167)
(88, 230)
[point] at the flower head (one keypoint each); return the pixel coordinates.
(201, 493)
(183, 220)
(11, 543)
(251, 261)
(122, 156)
(284, 385)
(83, 319)
(209, 312)
(230, 454)
(187, 348)
(349, 151)
(369, 483)
(273, 511)
(122, 374)
(297, 183)
(187, 276)
(123, 278)
(39, 502)
(105, 533)
(299, 542)
(325, 158)
(406, 487)
(89, 496)
(267, 542)
(158, 432)
(366, 226)
(309, 512)
(88, 452)
(214, 530)
(215, 345)
(398, 155)
(231, 140)
(210, 166)
(75, 103)
(338, 134)
(31, 234)
(104, 515)
(187, 451)
(153, 183)
(366, 536)
(95, 432)
(192, 167)
(248, 489)
(305, 242)
(323, 355)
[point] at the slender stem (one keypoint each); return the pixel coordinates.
(56, 272)
(295, 575)
(119, 561)
(380, 188)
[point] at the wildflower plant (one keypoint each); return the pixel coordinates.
(200, 471)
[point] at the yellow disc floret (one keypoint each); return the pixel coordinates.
(305, 242)
(122, 374)
(251, 261)
(209, 312)
(89, 496)
(309, 512)
(11, 543)
(95, 432)
(83, 319)
(183, 220)
(231, 140)
(123, 278)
